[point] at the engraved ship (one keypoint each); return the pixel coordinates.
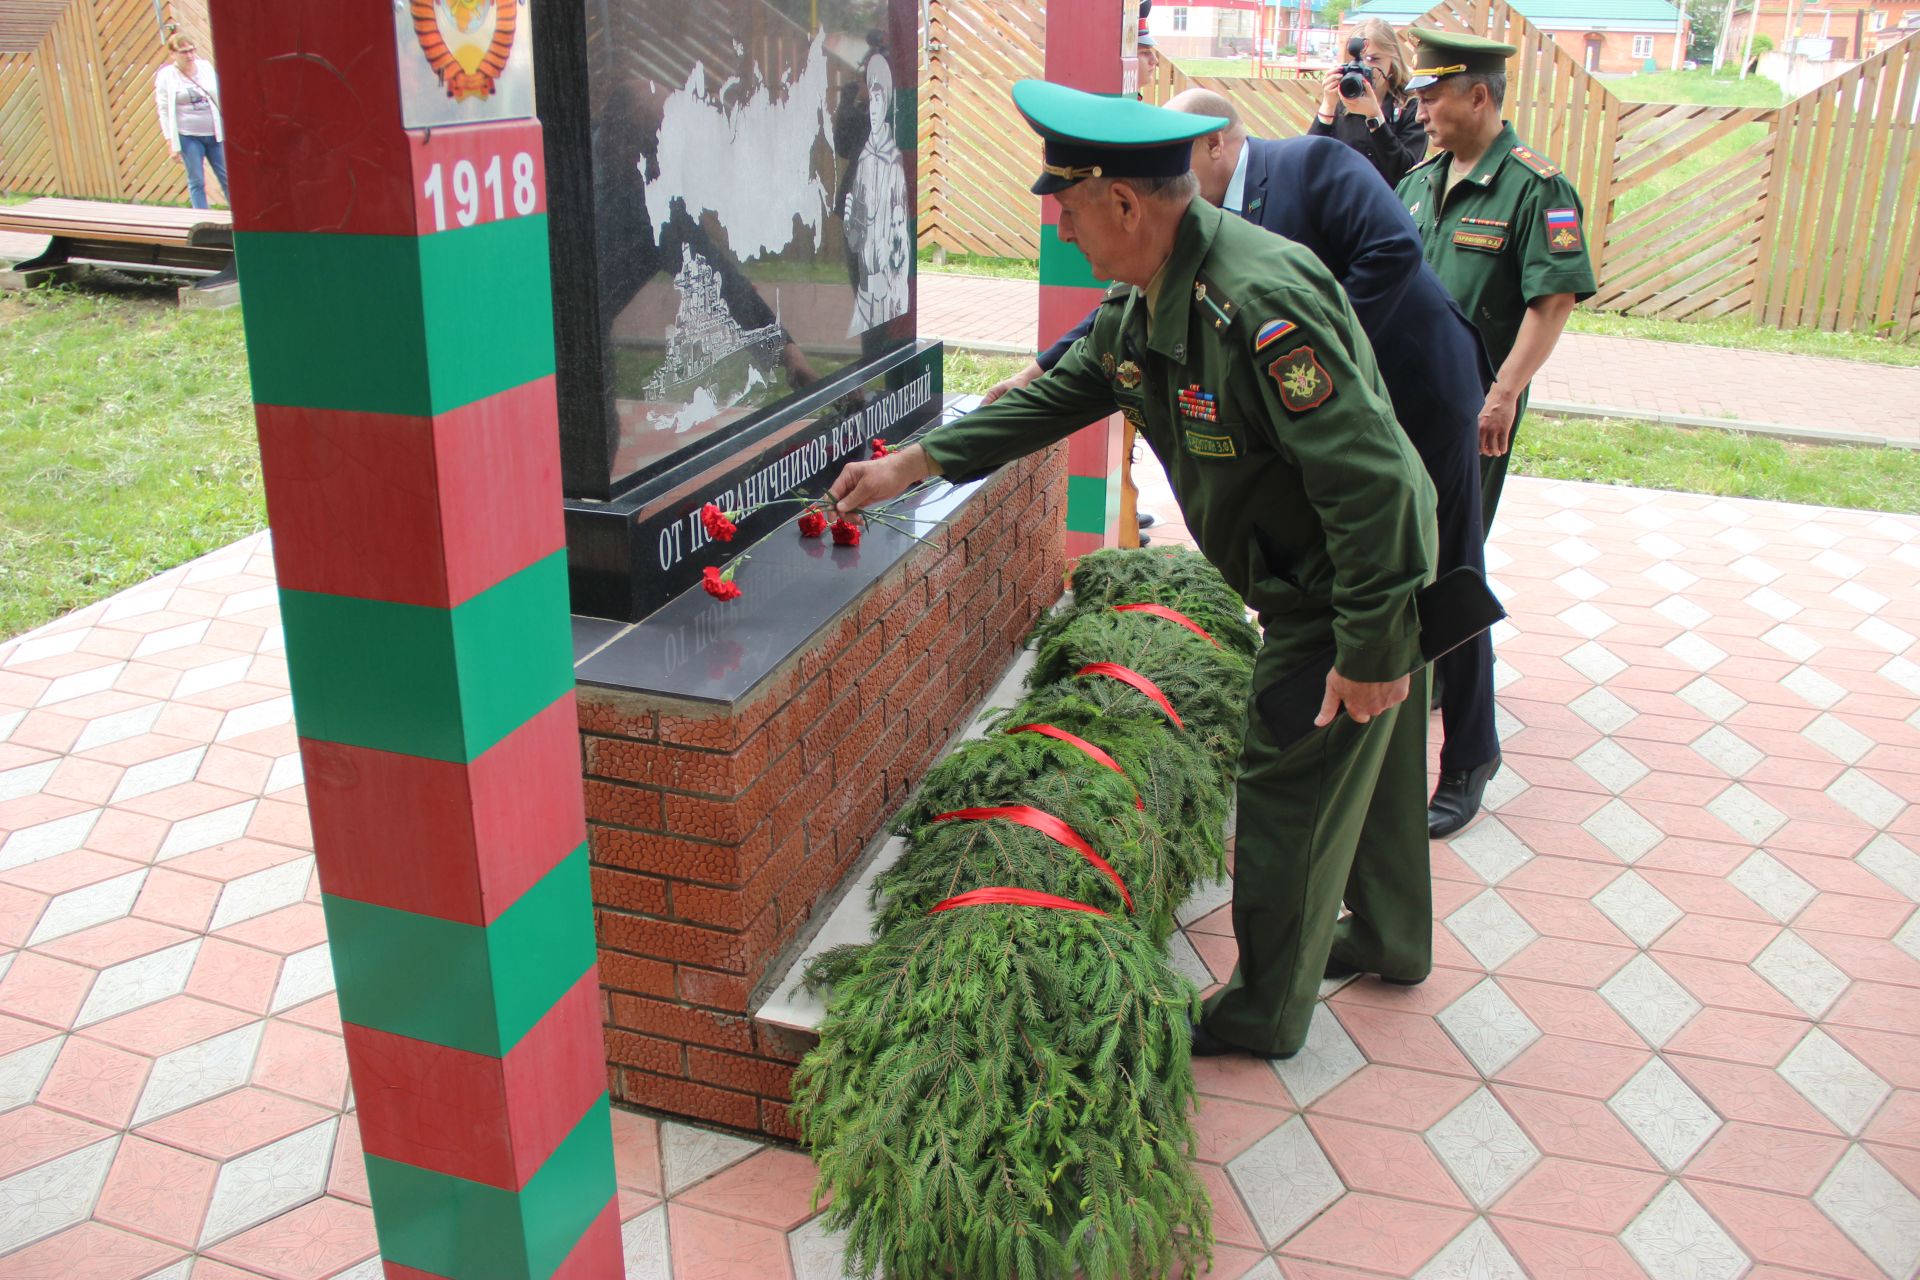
(704, 332)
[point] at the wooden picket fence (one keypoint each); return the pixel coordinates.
(1806, 215)
(76, 98)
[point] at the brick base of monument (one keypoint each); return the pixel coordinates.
(717, 831)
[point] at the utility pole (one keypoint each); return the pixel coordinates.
(1753, 25)
(1726, 31)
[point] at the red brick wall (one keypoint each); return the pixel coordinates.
(716, 832)
(1616, 49)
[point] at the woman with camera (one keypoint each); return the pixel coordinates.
(1364, 103)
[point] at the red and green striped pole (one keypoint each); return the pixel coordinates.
(1084, 48)
(399, 330)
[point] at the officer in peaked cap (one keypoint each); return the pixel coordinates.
(1500, 225)
(1238, 357)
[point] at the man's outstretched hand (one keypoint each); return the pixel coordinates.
(868, 484)
(1362, 700)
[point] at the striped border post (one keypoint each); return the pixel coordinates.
(1084, 48)
(399, 331)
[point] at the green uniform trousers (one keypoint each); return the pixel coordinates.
(1340, 814)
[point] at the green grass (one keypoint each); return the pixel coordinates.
(967, 264)
(126, 444)
(1724, 90)
(1649, 456)
(970, 373)
(1744, 336)
(1215, 66)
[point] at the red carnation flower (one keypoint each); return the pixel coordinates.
(715, 521)
(812, 524)
(717, 585)
(846, 533)
(880, 449)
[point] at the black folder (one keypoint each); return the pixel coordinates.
(1453, 610)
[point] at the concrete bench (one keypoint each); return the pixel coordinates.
(188, 242)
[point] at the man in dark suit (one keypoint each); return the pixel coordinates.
(1321, 194)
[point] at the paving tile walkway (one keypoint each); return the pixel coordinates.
(1674, 1030)
(1588, 372)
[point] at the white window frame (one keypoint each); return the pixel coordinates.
(1180, 19)
(1643, 46)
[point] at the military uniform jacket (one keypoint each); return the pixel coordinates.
(1257, 389)
(1506, 234)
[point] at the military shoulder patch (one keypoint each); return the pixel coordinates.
(1563, 230)
(1271, 332)
(1538, 163)
(1304, 384)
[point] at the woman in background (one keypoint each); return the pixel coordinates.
(187, 95)
(1383, 123)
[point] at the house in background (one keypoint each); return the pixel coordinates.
(1609, 37)
(1825, 30)
(1205, 28)
(1890, 21)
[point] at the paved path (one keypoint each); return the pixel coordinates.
(1674, 1031)
(1587, 373)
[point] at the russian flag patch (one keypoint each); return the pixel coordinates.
(1271, 332)
(1563, 230)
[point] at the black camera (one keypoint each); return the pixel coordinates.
(1355, 75)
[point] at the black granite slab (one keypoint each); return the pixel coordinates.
(709, 650)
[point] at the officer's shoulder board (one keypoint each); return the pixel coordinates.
(1433, 159)
(1117, 293)
(1214, 305)
(1538, 163)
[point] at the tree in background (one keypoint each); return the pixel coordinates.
(1707, 17)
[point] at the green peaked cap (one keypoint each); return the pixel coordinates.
(1093, 135)
(1451, 53)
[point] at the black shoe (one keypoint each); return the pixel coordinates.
(1145, 541)
(1341, 969)
(1457, 799)
(1146, 519)
(1208, 1045)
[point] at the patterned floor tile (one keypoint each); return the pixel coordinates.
(1327, 1060)
(691, 1154)
(157, 1191)
(773, 1188)
(312, 1241)
(53, 1196)
(1845, 1089)
(1377, 1233)
(94, 1252)
(1650, 1000)
(1675, 1239)
(708, 1247)
(266, 1183)
(138, 983)
(1580, 1196)
(1483, 1147)
(1667, 1116)
(201, 1070)
(1801, 973)
(1877, 1213)
(1285, 1180)
(1786, 1231)
(1490, 929)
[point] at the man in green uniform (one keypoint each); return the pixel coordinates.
(1238, 358)
(1500, 225)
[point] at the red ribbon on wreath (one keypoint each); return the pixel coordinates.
(1128, 676)
(1047, 825)
(1171, 615)
(1008, 896)
(1086, 748)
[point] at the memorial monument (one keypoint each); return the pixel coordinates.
(732, 217)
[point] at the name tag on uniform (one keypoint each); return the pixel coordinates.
(1205, 446)
(1489, 241)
